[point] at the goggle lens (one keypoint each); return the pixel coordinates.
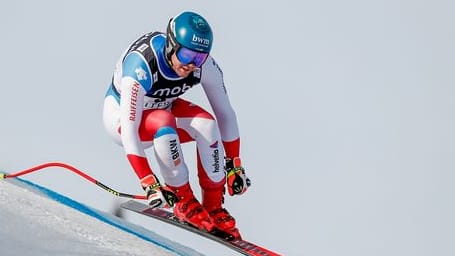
(187, 56)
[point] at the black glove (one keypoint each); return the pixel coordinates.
(236, 179)
(160, 196)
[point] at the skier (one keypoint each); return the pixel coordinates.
(143, 108)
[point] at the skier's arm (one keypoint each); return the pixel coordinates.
(131, 107)
(213, 85)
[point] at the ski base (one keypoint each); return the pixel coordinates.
(242, 246)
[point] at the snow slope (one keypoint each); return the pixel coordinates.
(37, 221)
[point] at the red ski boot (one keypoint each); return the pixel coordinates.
(188, 209)
(212, 202)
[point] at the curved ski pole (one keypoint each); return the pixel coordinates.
(73, 169)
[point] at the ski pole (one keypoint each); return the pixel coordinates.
(72, 169)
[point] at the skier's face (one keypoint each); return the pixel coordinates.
(181, 69)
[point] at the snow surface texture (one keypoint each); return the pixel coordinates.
(34, 224)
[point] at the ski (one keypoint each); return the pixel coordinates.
(242, 246)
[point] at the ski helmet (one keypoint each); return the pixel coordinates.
(190, 30)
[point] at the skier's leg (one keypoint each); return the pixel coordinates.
(160, 126)
(196, 123)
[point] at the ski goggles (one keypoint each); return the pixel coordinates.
(187, 56)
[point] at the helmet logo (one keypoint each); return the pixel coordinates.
(200, 40)
(198, 23)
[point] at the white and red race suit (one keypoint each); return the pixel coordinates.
(143, 108)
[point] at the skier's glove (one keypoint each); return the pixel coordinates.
(160, 196)
(237, 181)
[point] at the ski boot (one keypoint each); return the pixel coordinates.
(212, 202)
(189, 210)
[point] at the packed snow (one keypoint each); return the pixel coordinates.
(32, 223)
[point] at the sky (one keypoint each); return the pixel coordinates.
(345, 109)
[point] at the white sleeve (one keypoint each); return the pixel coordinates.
(131, 104)
(213, 84)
